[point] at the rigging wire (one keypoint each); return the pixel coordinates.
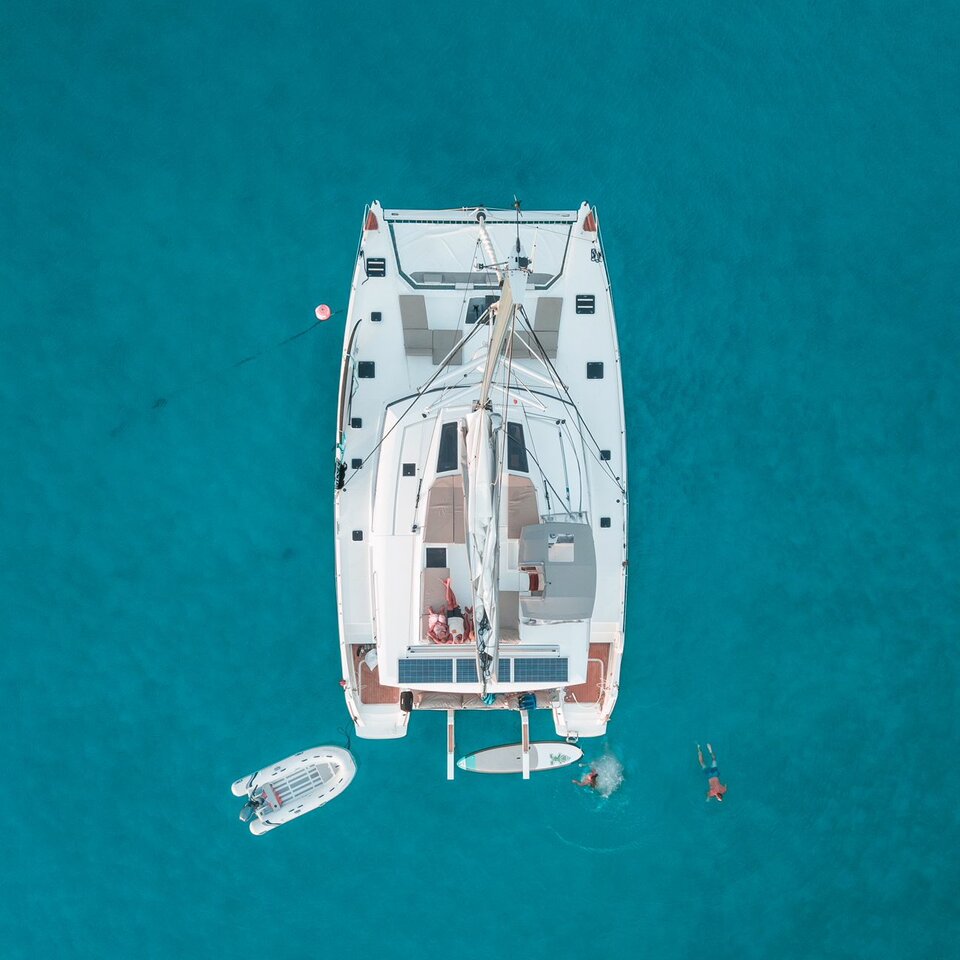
(411, 405)
(604, 464)
(462, 315)
(532, 453)
(542, 474)
(160, 402)
(573, 446)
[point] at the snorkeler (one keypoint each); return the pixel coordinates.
(717, 789)
(590, 780)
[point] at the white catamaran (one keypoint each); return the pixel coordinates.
(481, 472)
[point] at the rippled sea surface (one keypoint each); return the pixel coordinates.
(778, 192)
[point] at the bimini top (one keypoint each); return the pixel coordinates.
(561, 562)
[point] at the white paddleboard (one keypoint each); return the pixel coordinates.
(544, 755)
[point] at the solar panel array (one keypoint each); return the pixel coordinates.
(466, 671)
(536, 669)
(421, 670)
(525, 670)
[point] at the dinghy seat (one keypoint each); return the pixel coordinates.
(509, 607)
(546, 324)
(433, 594)
(444, 521)
(418, 339)
(522, 509)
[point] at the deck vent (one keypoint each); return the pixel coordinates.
(586, 302)
(356, 463)
(422, 670)
(376, 316)
(436, 558)
(409, 469)
(366, 369)
(604, 521)
(356, 422)
(376, 267)
(357, 536)
(533, 669)
(595, 371)
(604, 454)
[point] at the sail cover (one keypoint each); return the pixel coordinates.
(482, 507)
(481, 485)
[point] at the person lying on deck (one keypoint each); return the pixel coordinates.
(450, 624)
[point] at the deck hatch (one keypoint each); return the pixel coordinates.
(531, 669)
(448, 456)
(376, 267)
(516, 448)
(586, 303)
(595, 370)
(367, 369)
(422, 670)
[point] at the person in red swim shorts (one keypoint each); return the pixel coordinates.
(590, 780)
(717, 789)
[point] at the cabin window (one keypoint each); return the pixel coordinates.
(560, 548)
(447, 458)
(516, 449)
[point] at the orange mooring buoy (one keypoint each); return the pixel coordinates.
(323, 312)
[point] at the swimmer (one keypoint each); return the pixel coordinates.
(590, 780)
(717, 789)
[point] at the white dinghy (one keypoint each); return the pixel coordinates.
(293, 787)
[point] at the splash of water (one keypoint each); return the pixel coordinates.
(609, 774)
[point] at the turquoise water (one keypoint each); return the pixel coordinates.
(779, 198)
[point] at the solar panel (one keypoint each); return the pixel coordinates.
(466, 671)
(422, 670)
(550, 669)
(503, 670)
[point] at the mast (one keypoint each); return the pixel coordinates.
(483, 450)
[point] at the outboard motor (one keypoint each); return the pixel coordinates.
(248, 811)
